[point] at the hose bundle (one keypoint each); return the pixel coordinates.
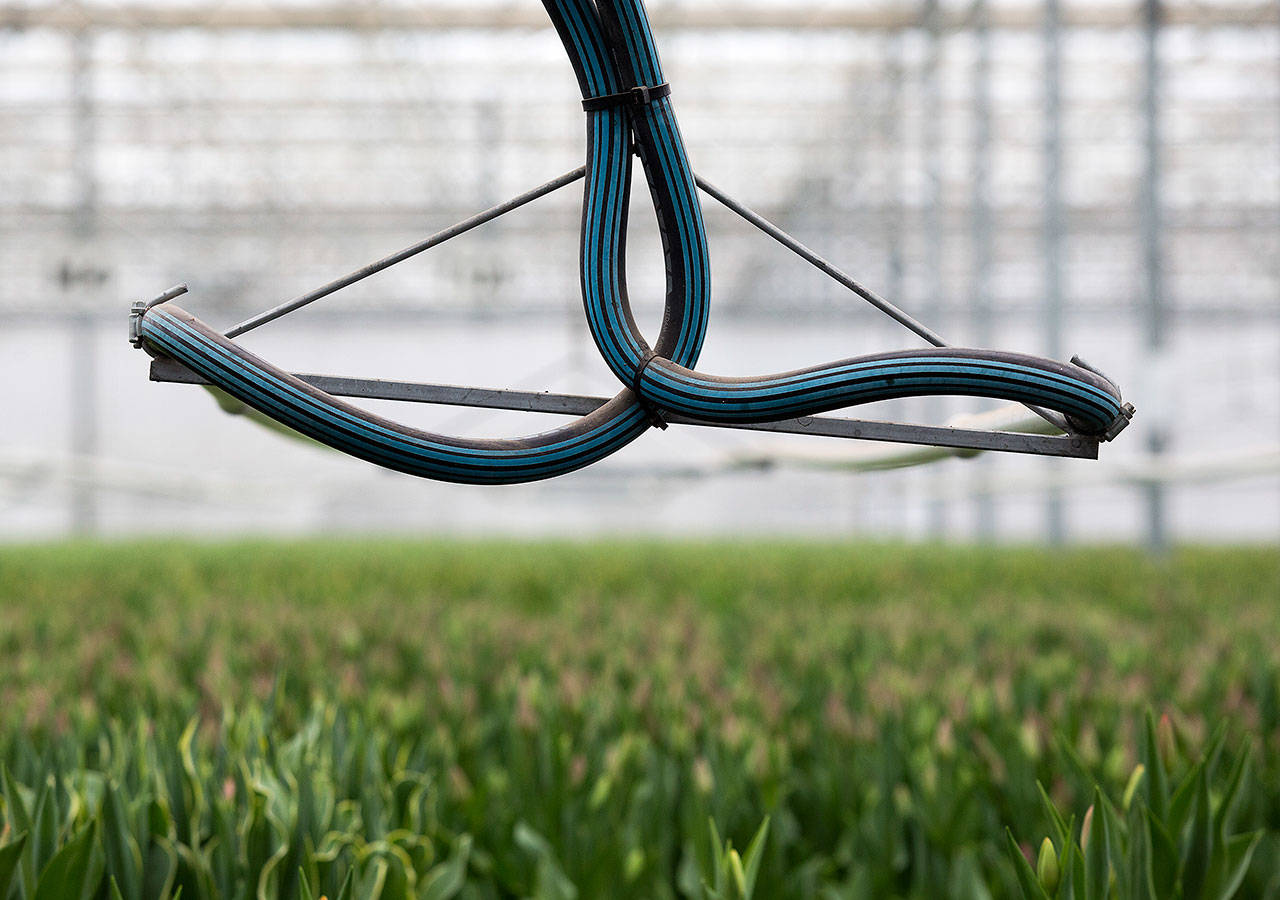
(629, 111)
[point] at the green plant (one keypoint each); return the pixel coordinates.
(1167, 838)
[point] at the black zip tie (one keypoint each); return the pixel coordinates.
(636, 96)
(652, 410)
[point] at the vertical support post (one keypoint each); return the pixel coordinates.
(980, 223)
(891, 131)
(1153, 257)
(487, 273)
(83, 380)
(891, 205)
(1054, 234)
(931, 137)
(84, 423)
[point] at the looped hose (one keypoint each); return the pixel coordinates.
(1089, 400)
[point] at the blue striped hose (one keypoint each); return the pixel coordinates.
(1089, 401)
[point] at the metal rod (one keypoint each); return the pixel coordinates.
(843, 278)
(821, 264)
(436, 239)
(172, 294)
(807, 16)
(85, 412)
(168, 370)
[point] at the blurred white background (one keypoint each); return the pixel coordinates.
(1097, 177)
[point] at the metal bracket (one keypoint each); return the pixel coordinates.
(136, 310)
(1069, 446)
(139, 309)
(1121, 423)
(1127, 411)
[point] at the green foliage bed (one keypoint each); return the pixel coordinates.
(436, 720)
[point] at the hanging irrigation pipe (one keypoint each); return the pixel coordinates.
(387, 262)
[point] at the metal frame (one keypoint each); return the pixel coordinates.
(1069, 444)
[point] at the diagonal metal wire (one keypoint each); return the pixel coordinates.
(387, 262)
(1055, 419)
(821, 264)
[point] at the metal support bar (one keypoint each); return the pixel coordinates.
(84, 373)
(930, 86)
(1073, 446)
(1054, 230)
(980, 231)
(802, 15)
(386, 262)
(1151, 226)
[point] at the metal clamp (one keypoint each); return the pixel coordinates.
(1126, 411)
(139, 309)
(136, 311)
(1120, 424)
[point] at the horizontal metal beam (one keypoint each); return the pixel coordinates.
(142, 16)
(168, 370)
